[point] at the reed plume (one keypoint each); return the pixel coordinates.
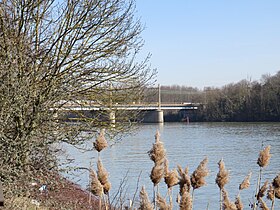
(157, 173)
(262, 190)
(238, 203)
(246, 182)
(184, 180)
(100, 142)
(107, 187)
(95, 186)
(264, 157)
(223, 175)
(227, 204)
(186, 201)
(263, 204)
(166, 165)
(144, 200)
(270, 192)
(276, 181)
(162, 204)
(273, 193)
(157, 153)
(198, 176)
(263, 161)
(103, 175)
(222, 179)
(171, 178)
(277, 193)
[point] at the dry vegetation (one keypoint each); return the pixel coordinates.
(188, 184)
(70, 196)
(57, 58)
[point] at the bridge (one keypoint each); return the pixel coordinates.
(88, 106)
(154, 110)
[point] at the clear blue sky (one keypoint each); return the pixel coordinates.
(203, 43)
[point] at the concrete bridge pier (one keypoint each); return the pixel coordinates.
(112, 117)
(160, 118)
(154, 116)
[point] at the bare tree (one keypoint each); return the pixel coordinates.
(55, 54)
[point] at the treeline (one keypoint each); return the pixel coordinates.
(174, 94)
(242, 101)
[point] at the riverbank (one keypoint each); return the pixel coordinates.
(60, 194)
(70, 195)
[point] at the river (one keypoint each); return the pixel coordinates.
(188, 144)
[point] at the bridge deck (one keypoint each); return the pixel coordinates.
(188, 106)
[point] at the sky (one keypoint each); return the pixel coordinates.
(202, 43)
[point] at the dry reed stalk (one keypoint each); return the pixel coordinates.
(186, 201)
(274, 191)
(103, 175)
(262, 190)
(198, 176)
(171, 179)
(157, 173)
(277, 193)
(169, 192)
(96, 187)
(166, 167)
(100, 143)
(184, 180)
(263, 204)
(246, 182)
(89, 182)
(144, 200)
(270, 193)
(178, 198)
(162, 204)
(227, 204)
(222, 176)
(263, 161)
(157, 136)
(157, 153)
(166, 164)
(264, 157)
(222, 179)
(238, 203)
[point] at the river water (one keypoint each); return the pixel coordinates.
(188, 144)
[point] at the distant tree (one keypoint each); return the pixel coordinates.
(271, 96)
(56, 53)
(256, 102)
(244, 101)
